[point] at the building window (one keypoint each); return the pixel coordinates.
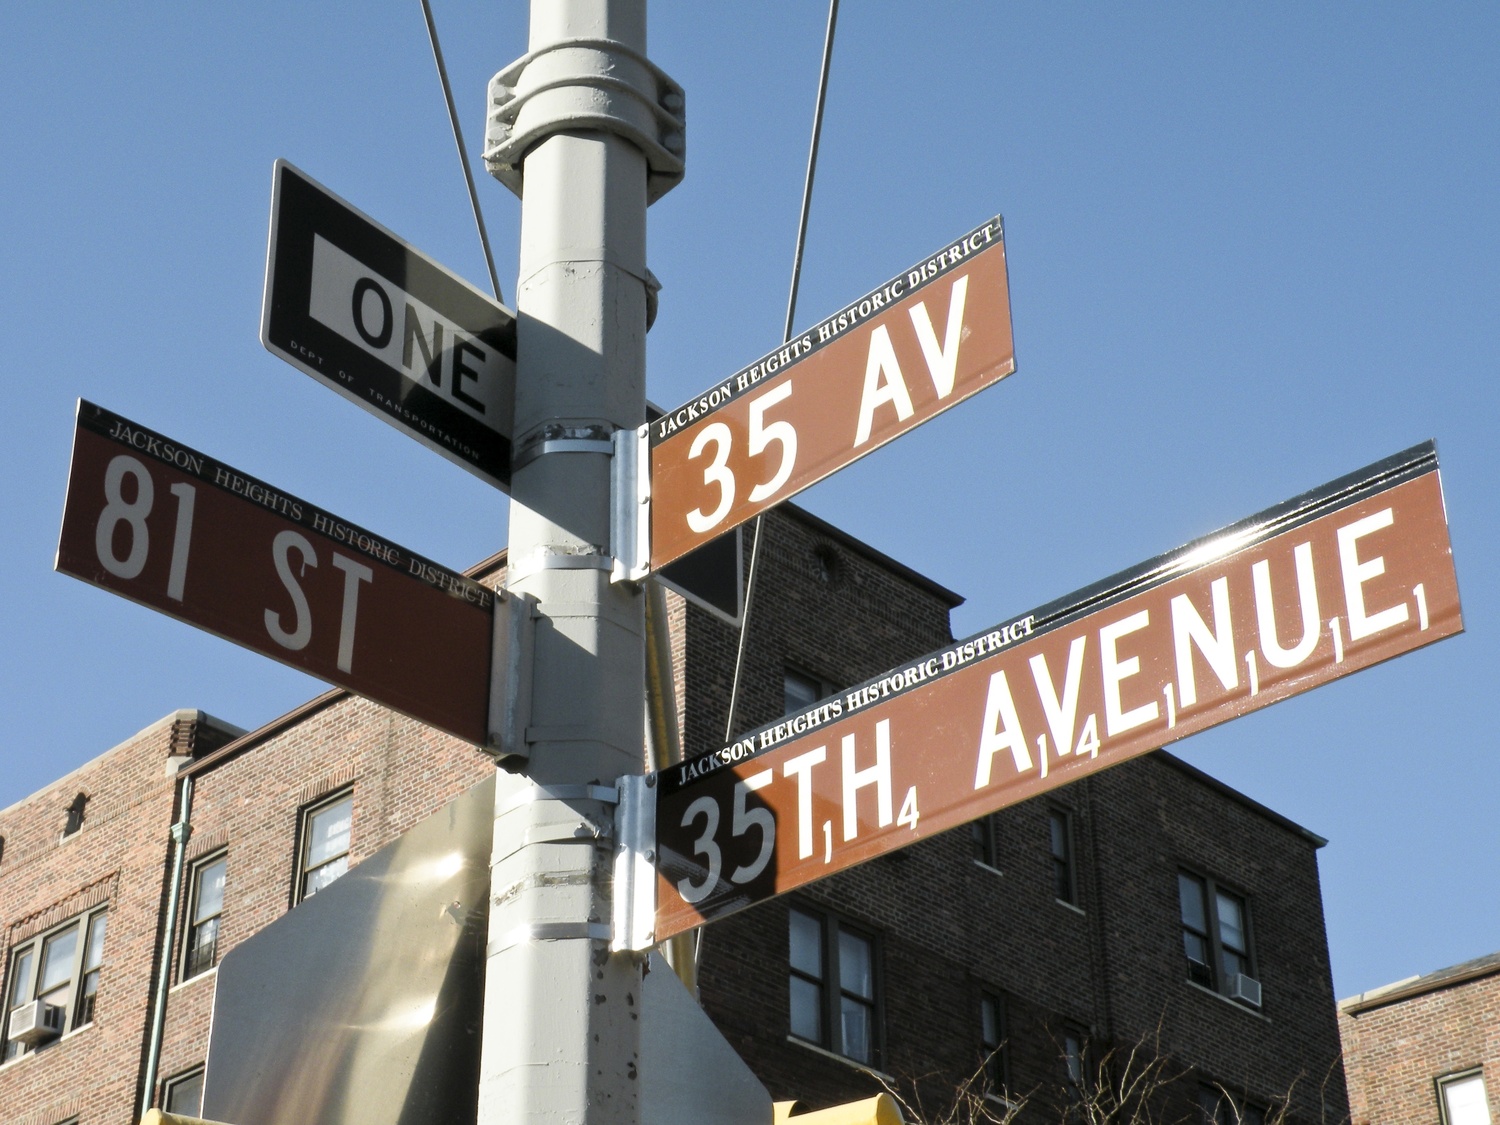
(799, 690)
(183, 1093)
(982, 842)
(324, 851)
(74, 819)
(1064, 877)
(1463, 1100)
(1216, 1106)
(1216, 938)
(201, 942)
(829, 567)
(53, 980)
(992, 1041)
(1075, 1059)
(834, 1002)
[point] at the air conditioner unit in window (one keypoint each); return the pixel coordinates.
(36, 1022)
(1246, 989)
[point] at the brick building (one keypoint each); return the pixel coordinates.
(1426, 1048)
(1036, 948)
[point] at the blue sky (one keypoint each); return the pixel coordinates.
(1251, 248)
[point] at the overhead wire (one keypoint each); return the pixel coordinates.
(791, 312)
(463, 153)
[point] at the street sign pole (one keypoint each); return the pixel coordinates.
(596, 132)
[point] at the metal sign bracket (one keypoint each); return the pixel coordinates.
(510, 674)
(634, 915)
(630, 506)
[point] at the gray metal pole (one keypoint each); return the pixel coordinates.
(561, 1025)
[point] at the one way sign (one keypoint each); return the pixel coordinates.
(388, 328)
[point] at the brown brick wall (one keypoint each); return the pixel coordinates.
(1395, 1052)
(1115, 969)
(118, 856)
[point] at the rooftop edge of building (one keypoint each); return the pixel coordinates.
(1405, 989)
(226, 733)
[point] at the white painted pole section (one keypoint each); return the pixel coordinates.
(561, 1014)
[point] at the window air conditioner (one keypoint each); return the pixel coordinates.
(36, 1022)
(1246, 989)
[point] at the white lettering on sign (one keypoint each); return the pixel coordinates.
(376, 314)
(1194, 638)
(801, 767)
(884, 382)
(1265, 610)
(762, 435)
(1363, 623)
(300, 634)
(131, 515)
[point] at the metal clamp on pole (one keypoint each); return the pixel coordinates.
(510, 674)
(521, 567)
(586, 84)
(560, 438)
(630, 506)
(634, 916)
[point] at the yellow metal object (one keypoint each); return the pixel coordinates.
(879, 1110)
(161, 1117)
(680, 951)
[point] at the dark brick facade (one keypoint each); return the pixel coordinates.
(946, 929)
(1402, 1040)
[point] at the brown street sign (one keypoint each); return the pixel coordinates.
(923, 342)
(173, 529)
(1324, 585)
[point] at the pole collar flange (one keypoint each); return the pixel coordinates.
(579, 85)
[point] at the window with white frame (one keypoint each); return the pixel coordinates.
(323, 854)
(1462, 1098)
(51, 983)
(833, 986)
(183, 1093)
(205, 905)
(1216, 938)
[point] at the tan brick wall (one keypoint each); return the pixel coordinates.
(1394, 1053)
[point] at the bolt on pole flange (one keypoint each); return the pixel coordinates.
(586, 84)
